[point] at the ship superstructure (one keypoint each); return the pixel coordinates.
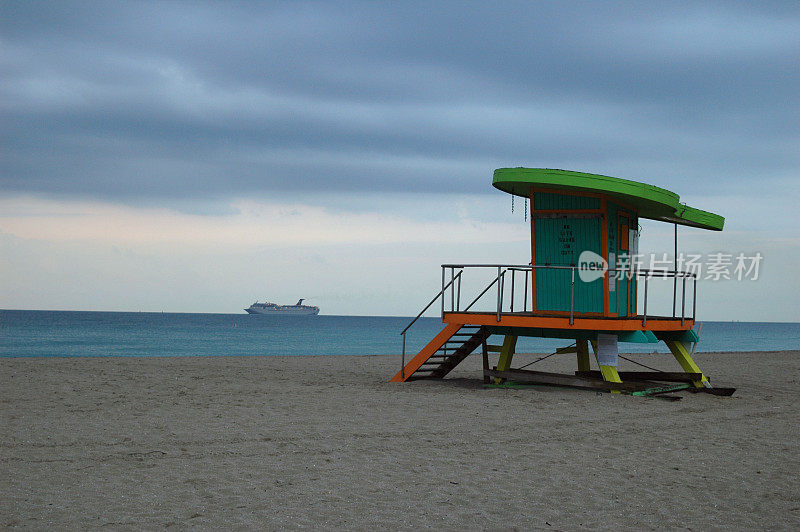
(273, 309)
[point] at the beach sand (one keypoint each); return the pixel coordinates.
(328, 442)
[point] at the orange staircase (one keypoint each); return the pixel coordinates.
(447, 350)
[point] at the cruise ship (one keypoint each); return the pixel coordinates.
(274, 309)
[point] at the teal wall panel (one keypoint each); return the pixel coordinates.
(559, 242)
(548, 201)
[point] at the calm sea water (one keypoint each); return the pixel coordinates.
(70, 334)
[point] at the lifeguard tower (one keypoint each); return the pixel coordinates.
(580, 285)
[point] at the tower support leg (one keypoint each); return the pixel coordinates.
(684, 358)
(609, 371)
(610, 374)
(582, 347)
(506, 354)
(485, 357)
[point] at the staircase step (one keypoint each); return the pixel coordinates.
(454, 349)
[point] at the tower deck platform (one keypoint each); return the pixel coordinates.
(559, 321)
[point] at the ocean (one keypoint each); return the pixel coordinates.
(25, 333)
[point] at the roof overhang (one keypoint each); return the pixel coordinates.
(651, 202)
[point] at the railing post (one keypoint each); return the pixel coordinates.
(458, 298)
(683, 300)
(513, 274)
(572, 298)
(499, 293)
(452, 289)
(675, 269)
(442, 292)
(694, 297)
(644, 317)
(525, 296)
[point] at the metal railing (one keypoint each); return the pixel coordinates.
(503, 270)
(452, 282)
(421, 312)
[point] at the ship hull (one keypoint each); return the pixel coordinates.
(281, 312)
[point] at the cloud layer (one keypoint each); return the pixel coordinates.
(140, 101)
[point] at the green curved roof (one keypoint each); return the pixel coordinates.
(652, 202)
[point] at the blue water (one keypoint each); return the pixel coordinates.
(26, 333)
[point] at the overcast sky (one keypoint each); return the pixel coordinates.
(195, 156)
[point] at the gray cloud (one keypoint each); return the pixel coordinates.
(147, 101)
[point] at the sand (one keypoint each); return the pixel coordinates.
(327, 442)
